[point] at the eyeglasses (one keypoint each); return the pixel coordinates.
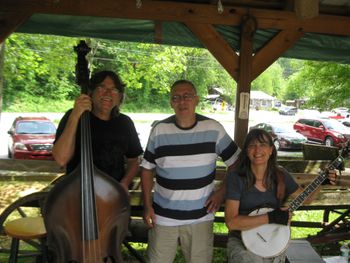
(185, 97)
(103, 88)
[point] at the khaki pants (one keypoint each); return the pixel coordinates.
(237, 253)
(196, 242)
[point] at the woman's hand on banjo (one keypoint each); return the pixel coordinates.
(332, 177)
(280, 216)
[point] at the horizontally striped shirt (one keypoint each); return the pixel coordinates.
(185, 163)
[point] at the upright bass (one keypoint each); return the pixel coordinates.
(86, 213)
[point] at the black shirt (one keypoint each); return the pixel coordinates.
(113, 141)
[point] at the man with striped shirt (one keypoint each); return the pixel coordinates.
(182, 151)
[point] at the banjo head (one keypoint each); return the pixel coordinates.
(269, 240)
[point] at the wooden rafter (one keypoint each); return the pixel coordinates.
(150, 10)
(10, 22)
(284, 40)
(220, 49)
(181, 12)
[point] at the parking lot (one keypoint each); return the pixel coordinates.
(143, 123)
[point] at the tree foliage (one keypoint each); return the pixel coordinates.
(45, 70)
(271, 81)
(38, 66)
(39, 72)
(326, 85)
(149, 70)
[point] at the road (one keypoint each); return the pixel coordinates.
(143, 123)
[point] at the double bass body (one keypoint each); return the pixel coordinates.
(63, 215)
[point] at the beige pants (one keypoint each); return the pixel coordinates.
(237, 253)
(196, 242)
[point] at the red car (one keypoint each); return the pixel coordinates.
(283, 137)
(31, 138)
(326, 131)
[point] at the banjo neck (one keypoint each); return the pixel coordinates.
(322, 176)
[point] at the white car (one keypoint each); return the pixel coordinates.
(346, 122)
(342, 111)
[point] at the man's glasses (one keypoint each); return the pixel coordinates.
(103, 88)
(185, 97)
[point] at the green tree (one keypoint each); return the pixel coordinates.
(206, 72)
(325, 84)
(38, 67)
(149, 70)
(271, 81)
(39, 72)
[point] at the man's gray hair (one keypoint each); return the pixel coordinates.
(183, 81)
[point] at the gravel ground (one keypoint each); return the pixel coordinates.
(10, 191)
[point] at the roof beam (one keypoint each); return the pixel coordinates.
(182, 12)
(10, 22)
(150, 10)
(218, 46)
(274, 49)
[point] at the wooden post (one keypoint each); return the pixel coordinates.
(249, 26)
(2, 58)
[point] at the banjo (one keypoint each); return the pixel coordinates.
(271, 240)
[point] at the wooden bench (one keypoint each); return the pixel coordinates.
(328, 200)
(29, 170)
(331, 198)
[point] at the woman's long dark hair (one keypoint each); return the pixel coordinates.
(244, 168)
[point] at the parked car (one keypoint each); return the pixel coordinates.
(327, 131)
(346, 122)
(283, 137)
(331, 115)
(278, 104)
(288, 110)
(31, 138)
(342, 111)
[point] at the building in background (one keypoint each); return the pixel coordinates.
(261, 101)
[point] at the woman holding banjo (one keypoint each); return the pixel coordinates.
(256, 190)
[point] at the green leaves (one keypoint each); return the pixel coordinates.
(271, 81)
(326, 84)
(41, 68)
